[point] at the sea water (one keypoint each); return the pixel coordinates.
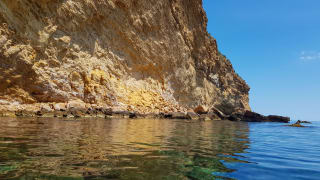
(57, 149)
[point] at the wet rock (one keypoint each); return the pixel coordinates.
(65, 115)
(201, 110)
(76, 113)
(236, 117)
(58, 113)
(306, 122)
(214, 116)
(82, 112)
(133, 115)
(179, 115)
(160, 115)
(166, 115)
(218, 113)
(204, 117)
(174, 115)
(250, 116)
(274, 118)
(29, 113)
(121, 112)
(19, 113)
(75, 109)
(91, 112)
(107, 111)
(151, 116)
(100, 112)
(192, 115)
(39, 113)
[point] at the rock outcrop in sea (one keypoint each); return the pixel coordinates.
(145, 56)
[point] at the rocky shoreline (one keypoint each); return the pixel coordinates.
(140, 56)
(76, 109)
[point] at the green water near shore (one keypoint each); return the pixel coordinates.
(118, 148)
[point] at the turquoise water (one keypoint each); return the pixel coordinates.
(156, 149)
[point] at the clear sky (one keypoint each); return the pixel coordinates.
(275, 46)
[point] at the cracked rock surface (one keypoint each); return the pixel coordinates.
(138, 55)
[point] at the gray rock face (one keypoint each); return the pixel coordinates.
(144, 56)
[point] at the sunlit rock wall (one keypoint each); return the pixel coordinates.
(142, 55)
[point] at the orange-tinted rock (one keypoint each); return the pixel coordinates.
(297, 124)
(201, 110)
(143, 56)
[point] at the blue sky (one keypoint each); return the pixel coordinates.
(275, 46)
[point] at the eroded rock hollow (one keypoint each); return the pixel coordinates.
(139, 55)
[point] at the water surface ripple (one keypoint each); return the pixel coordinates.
(59, 149)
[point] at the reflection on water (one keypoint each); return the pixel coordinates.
(118, 148)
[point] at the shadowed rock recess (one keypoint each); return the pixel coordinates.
(146, 56)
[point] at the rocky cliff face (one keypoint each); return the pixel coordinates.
(141, 55)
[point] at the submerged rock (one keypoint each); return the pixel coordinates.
(297, 124)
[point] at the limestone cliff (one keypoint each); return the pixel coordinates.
(141, 55)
